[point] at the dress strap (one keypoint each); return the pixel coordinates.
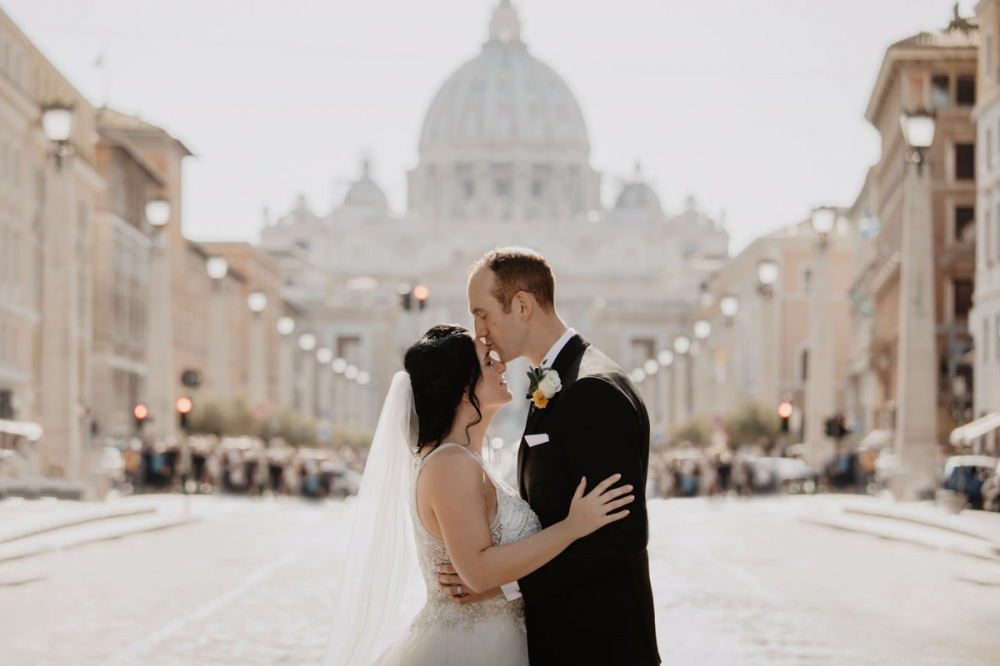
(442, 447)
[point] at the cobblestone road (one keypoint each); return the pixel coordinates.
(735, 583)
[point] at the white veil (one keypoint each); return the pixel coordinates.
(380, 551)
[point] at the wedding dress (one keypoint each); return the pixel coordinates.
(487, 633)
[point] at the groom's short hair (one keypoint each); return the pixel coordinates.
(519, 269)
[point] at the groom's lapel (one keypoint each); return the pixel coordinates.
(564, 361)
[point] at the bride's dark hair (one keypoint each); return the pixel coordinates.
(443, 367)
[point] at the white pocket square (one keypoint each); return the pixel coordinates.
(535, 440)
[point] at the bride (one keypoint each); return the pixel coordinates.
(426, 459)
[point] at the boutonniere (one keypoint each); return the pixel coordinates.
(543, 384)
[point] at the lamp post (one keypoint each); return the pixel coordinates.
(61, 451)
(324, 388)
(767, 276)
(160, 380)
(700, 362)
(665, 359)
(730, 306)
(819, 401)
(257, 302)
(307, 378)
(682, 395)
(217, 268)
(339, 366)
(286, 369)
(916, 417)
(351, 374)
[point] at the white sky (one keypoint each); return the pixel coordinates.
(753, 106)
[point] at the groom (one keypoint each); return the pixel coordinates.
(593, 604)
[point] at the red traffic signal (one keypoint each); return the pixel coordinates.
(785, 409)
(140, 412)
(184, 405)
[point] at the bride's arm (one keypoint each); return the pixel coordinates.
(452, 484)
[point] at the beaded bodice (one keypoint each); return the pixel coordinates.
(514, 521)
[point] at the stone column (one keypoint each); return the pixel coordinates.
(916, 418)
(61, 446)
(286, 371)
(819, 403)
(767, 370)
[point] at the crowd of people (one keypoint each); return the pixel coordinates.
(239, 465)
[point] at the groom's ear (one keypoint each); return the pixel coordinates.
(523, 304)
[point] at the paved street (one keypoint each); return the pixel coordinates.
(736, 582)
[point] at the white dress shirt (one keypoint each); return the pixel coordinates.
(512, 590)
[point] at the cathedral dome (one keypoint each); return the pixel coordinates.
(504, 97)
(365, 193)
(638, 196)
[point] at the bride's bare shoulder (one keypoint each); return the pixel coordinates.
(452, 468)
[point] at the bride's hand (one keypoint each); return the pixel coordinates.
(588, 513)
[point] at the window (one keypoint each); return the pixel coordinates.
(965, 161)
(804, 364)
(940, 93)
(468, 189)
(987, 237)
(962, 293)
(986, 340)
(988, 155)
(965, 90)
(965, 217)
(807, 282)
(537, 189)
(6, 404)
(503, 188)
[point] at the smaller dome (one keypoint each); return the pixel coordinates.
(365, 193)
(638, 196)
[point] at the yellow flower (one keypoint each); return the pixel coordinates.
(540, 400)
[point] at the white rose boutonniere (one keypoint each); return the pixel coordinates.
(544, 383)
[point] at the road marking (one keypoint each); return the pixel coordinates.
(128, 654)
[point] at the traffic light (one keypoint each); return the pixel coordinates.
(184, 406)
(785, 410)
(140, 412)
(421, 293)
(405, 297)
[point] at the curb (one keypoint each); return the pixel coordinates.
(937, 523)
(58, 524)
(16, 553)
(985, 552)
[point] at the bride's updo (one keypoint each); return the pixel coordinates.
(443, 366)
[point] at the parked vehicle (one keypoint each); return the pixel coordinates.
(967, 474)
(991, 491)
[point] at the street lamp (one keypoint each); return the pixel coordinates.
(918, 132)
(819, 382)
(158, 212)
(159, 336)
(729, 305)
(665, 358)
(767, 276)
(682, 344)
(324, 355)
(257, 301)
(704, 295)
(286, 325)
(307, 342)
(823, 219)
(917, 353)
(364, 378)
(351, 372)
(339, 365)
(651, 366)
(638, 375)
(57, 124)
(217, 268)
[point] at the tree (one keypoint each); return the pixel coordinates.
(751, 423)
(695, 432)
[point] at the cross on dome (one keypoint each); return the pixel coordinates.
(505, 26)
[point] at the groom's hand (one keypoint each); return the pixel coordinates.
(453, 587)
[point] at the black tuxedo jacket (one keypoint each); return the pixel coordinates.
(593, 604)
